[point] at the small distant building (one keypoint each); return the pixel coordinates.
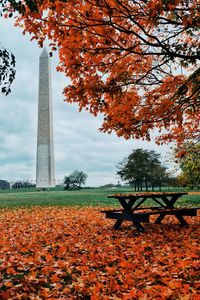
(4, 184)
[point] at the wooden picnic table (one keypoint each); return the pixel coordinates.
(132, 209)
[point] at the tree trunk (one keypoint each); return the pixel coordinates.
(146, 185)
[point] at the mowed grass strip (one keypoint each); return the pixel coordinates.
(56, 198)
(84, 197)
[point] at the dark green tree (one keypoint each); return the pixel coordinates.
(142, 168)
(75, 180)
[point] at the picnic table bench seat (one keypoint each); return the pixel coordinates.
(185, 211)
(119, 214)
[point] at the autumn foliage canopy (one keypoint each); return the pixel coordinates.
(136, 62)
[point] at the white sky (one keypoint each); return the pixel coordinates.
(77, 142)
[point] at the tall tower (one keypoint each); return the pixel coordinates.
(45, 172)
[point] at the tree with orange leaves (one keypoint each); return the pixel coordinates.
(136, 62)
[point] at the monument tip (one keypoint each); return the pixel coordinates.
(44, 53)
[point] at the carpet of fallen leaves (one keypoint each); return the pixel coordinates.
(73, 253)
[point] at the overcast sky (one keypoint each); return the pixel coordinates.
(77, 142)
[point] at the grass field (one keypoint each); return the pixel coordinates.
(84, 197)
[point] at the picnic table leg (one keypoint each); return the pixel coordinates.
(178, 216)
(139, 227)
(117, 224)
(126, 206)
(160, 218)
(181, 220)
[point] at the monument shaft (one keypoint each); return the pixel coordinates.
(45, 172)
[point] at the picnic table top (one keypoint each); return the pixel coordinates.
(146, 194)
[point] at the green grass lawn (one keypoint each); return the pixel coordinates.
(84, 197)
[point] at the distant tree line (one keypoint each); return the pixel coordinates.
(23, 184)
(4, 184)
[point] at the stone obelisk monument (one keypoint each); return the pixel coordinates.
(45, 172)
